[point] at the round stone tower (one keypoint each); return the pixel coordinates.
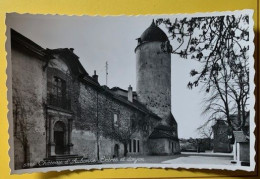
(153, 68)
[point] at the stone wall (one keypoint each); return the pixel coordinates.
(164, 147)
(84, 143)
(97, 109)
(158, 146)
(84, 133)
(29, 96)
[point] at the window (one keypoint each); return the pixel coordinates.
(58, 95)
(145, 127)
(130, 146)
(59, 88)
(116, 123)
(138, 146)
(134, 146)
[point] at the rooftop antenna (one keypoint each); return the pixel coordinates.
(106, 72)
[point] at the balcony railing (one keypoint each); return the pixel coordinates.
(60, 102)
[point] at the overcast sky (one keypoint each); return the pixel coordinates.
(100, 39)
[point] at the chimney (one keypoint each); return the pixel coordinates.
(130, 93)
(95, 76)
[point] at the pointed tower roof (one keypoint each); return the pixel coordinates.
(153, 33)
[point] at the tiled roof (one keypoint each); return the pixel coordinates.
(136, 104)
(18, 40)
(171, 120)
(153, 33)
(160, 134)
(164, 127)
(240, 136)
(163, 131)
(117, 88)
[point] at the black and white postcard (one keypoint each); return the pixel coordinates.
(163, 91)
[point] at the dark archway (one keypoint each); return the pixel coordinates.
(116, 150)
(59, 137)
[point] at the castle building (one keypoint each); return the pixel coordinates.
(221, 133)
(62, 112)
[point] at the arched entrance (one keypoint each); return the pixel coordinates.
(59, 138)
(116, 150)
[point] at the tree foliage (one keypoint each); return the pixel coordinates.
(206, 130)
(220, 44)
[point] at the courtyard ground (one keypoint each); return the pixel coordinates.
(183, 158)
(202, 158)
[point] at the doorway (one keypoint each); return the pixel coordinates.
(59, 138)
(116, 150)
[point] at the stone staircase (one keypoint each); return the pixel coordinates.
(63, 157)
